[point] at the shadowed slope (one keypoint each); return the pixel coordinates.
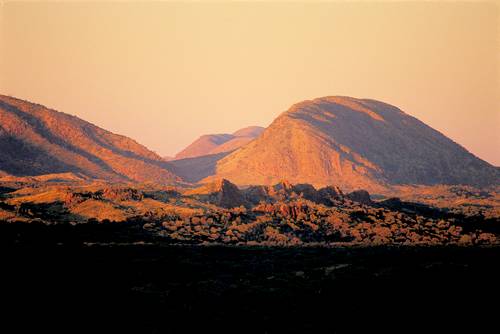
(36, 140)
(196, 168)
(353, 143)
(232, 145)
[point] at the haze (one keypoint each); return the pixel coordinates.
(165, 73)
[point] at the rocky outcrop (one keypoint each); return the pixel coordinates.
(330, 195)
(221, 193)
(360, 196)
(285, 191)
(226, 194)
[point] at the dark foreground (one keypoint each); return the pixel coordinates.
(156, 289)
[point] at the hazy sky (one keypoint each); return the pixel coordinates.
(165, 73)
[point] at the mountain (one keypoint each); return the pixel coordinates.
(35, 140)
(220, 143)
(203, 145)
(355, 144)
(249, 131)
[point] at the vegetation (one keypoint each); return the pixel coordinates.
(284, 215)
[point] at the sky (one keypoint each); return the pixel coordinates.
(164, 73)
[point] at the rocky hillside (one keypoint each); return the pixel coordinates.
(220, 212)
(355, 144)
(225, 194)
(220, 143)
(35, 140)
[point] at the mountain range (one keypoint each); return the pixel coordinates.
(343, 141)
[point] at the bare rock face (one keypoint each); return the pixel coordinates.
(360, 196)
(355, 144)
(221, 193)
(35, 140)
(330, 195)
(220, 143)
(228, 195)
(306, 191)
(257, 194)
(281, 191)
(285, 191)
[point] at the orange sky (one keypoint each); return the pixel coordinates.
(164, 73)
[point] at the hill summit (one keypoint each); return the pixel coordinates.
(355, 144)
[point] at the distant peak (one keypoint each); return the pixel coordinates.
(219, 143)
(216, 136)
(249, 131)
